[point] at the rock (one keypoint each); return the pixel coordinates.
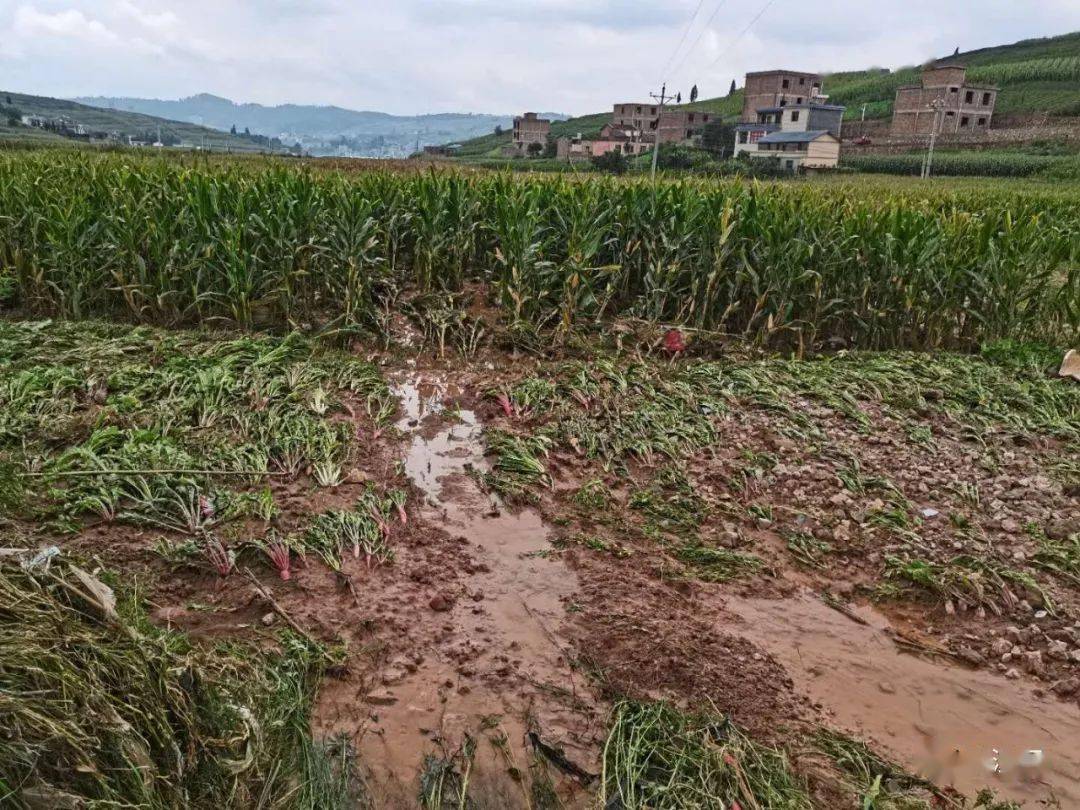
(1058, 651)
(1012, 674)
(1010, 526)
(1030, 634)
(1061, 528)
(929, 512)
(268, 619)
(1066, 688)
(1001, 646)
(972, 656)
(1013, 633)
(1033, 663)
(1074, 657)
(381, 697)
(439, 603)
(887, 688)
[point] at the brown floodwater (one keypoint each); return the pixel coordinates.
(960, 727)
(507, 622)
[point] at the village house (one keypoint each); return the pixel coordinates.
(677, 124)
(777, 88)
(623, 138)
(528, 129)
(800, 131)
(946, 100)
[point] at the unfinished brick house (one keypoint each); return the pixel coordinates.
(777, 88)
(965, 107)
(528, 129)
(677, 124)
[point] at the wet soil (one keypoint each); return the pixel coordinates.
(497, 668)
(961, 727)
(483, 629)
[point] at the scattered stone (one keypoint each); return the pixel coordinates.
(1058, 651)
(972, 656)
(1012, 674)
(381, 697)
(1034, 664)
(1010, 526)
(439, 603)
(1001, 646)
(268, 619)
(887, 688)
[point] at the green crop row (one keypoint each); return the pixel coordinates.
(788, 265)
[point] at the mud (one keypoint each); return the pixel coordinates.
(960, 727)
(500, 667)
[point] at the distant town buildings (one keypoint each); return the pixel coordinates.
(944, 102)
(795, 125)
(528, 129)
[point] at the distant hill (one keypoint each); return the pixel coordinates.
(320, 129)
(1035, 76)
(123, 123)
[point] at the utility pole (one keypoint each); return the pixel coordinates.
(864, 112)
(662, 98)
(937, 105)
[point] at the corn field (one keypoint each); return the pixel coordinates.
(264, 245)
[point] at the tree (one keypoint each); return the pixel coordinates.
(534, 149)
(954, 53)
(232, 131)
(731, 90)
(498, 129)
(551, 148)
(613, 161)
(678, 98)
(8, 99)
(718, 137)
(693, 94)
(247, 132)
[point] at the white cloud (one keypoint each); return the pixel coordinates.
(68, 24)
(408, 56)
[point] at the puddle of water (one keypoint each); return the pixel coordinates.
(507, 635)
(940, 720)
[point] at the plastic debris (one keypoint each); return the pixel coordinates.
(42, 559)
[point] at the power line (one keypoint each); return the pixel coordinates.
(682, 40)
(742, 33)
(674, 71)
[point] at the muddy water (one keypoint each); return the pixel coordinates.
(500, 657)
(940, 720)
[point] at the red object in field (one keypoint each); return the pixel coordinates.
(674, 343)
(506, 404)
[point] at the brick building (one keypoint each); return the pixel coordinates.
(528, 129)
(675, 125)
(777, 88)
(965, 107)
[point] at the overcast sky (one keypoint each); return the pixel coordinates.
(499, 56)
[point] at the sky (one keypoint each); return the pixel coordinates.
(491, 56)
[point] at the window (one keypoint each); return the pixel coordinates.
(653, 112)
(964, 120)
(986, 99)
(969, 97)
(783, 102)
(794, 116)
(785, 84)
(982, 122)
(743, 137)
(689, 134)
(802, 80)
(954, 89)
(705, 118)
(789, 164)
(691, 118)
(950, 114)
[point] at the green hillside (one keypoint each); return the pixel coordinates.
(101, 120)
(1035, 76)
